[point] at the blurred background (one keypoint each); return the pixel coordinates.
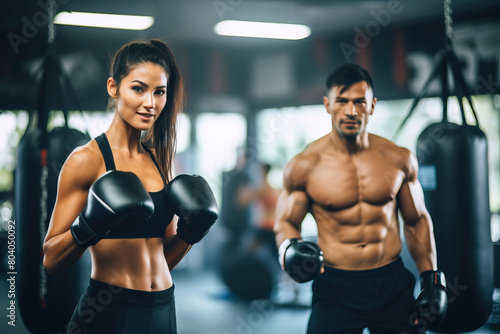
(252, 102)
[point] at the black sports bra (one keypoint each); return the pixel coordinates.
(155, 226)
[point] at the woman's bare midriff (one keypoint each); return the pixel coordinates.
(137, 264)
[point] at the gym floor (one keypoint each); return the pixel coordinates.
(203, 305)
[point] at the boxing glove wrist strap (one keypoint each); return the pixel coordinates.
(82, 233)
(432, 277)
(282, 249)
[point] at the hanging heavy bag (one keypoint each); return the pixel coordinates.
(453, 171)
(454, 174)
(45, 302)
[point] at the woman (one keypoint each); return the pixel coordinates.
(116, 199)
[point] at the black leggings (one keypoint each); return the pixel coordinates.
(106, 308)
(346, 302)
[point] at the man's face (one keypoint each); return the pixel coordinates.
(350, 109)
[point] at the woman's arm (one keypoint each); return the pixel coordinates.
(59, 248)
(174, 248)
(194, 203)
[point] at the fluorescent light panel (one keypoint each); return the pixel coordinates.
(262, 30)
(98, 20)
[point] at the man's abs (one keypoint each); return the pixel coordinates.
(359, 239)
(354, 201)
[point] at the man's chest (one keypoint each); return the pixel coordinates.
(338, 182)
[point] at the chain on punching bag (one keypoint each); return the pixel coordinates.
(453, 171)
(45, 302)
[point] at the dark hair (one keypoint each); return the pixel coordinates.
(163, 135)
(347, 75)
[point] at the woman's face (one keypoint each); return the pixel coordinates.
(142, 95)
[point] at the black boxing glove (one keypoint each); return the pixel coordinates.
(114, 197)
(432, 303)
(302, 260)
(194, 203)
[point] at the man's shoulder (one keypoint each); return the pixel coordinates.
(385, 144)
(298, 168)
(307, 158)
(302, 161)
(319, 144)
(400, 156)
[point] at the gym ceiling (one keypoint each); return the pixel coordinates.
(206, 58)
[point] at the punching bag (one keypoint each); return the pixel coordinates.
(45, 302)
(453, 171)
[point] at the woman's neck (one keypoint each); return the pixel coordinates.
(124, 137)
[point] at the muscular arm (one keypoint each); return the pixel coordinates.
(290, 212)
(293, 203)
(60, 248)
(418, 227)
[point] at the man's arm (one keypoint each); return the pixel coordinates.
(418, 227)
(291, 210)
(302, 260)
(293, 202)
(432, 303)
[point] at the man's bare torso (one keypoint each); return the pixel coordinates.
(353, 198)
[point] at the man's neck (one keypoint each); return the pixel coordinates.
(350, 145)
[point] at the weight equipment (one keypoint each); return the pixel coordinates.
(249, 274)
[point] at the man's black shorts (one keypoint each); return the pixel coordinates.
(347, 301)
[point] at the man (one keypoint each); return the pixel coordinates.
(354, 184)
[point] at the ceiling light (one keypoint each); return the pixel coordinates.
(262, 30)
(113, 21)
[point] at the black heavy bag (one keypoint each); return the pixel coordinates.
(453, 171)
(45, 302)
